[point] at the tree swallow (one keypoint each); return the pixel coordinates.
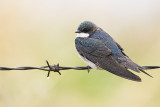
(100, 51)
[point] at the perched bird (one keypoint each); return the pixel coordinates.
(100, 51)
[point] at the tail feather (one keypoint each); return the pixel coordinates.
(147, 68)
(150, 67)
(145, 72)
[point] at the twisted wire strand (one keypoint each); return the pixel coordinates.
(42, 68)
(55, 68)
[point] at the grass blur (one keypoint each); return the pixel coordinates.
(32, 31)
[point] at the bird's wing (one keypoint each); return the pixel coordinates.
(122, 50)
(128, 63)
(98, 53)
(92, 46)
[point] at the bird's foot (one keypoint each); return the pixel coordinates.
(88, 69)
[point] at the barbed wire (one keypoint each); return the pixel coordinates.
(54, 68)
(57, 68)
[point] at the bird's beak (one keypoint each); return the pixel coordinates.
(77, 31)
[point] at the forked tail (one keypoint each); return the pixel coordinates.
(150, 67)
(147, 68)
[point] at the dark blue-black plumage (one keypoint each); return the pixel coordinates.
(102, 50)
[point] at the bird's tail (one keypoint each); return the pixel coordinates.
(147, 68)
(150, 67)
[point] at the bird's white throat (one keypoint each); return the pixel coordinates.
(82, 35)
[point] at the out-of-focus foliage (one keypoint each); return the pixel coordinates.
(32, 31)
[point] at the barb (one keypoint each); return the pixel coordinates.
(54, 68)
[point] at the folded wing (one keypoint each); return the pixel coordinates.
(98, 53)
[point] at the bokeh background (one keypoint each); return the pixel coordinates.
(32, 31)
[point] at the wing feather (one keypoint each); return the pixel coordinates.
(98, 53)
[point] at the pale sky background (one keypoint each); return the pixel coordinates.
(32, 31)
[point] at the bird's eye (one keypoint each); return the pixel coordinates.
(85, 30)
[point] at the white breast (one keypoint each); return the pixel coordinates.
(89, 63)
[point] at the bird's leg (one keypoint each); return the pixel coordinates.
(88, 68)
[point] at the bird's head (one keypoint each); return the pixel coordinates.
(86, 28)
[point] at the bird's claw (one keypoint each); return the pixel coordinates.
(88, 69)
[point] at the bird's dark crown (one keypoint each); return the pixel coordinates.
(86, 27)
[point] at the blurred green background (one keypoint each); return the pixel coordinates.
(32, 31)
